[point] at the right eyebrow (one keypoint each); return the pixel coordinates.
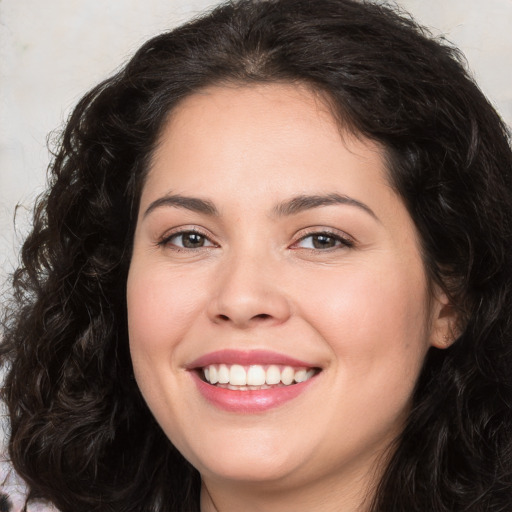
(189, 203)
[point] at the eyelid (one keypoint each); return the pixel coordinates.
(180, 230)
(346, 240)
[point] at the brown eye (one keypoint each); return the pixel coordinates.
(324, 241)
(189, 240)
(192, 240)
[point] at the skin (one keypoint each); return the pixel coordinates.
(360, 311)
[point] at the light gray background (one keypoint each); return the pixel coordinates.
(52, 51)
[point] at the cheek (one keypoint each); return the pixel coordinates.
(371, 318)
(161, 306)
(161, 310)
(375, 326)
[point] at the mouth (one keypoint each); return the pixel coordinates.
(254, 377)
(251, 381)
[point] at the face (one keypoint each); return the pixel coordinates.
(272, 255)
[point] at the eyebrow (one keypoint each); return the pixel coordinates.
(306, 202)
(189, 203)
(290, 207)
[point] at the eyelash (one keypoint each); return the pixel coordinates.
(344, 241)
(340, 241)
(166, 241)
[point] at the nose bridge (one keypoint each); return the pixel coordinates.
(248, 290)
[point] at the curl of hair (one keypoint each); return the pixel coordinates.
(81, 435)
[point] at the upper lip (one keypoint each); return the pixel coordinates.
(247, 358)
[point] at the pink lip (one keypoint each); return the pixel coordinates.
(251, 401)
(246, 358)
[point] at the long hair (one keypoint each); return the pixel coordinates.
(81, 435)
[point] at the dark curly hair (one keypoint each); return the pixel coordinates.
(82, 436)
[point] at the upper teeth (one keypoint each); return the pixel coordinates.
(255, 375)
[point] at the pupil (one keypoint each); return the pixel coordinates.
(323, 241)
(193, 240)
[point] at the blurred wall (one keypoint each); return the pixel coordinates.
(52, 51)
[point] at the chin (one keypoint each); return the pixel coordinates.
(250, 461)
(250, 470)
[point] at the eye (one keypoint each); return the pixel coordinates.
(188, 240)
(323, 240)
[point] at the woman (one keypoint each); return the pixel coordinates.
(272, 272)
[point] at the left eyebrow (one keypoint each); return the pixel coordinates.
(304, 202)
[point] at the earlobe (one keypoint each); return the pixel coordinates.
(444, 322)
(445, 342)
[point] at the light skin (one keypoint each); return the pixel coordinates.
(335, 280)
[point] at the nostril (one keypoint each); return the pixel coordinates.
(262, 316)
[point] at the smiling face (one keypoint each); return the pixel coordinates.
(269, 249)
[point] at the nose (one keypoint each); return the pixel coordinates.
(248, 293)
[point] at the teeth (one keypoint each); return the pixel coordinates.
(287, 375)
(213, 377)
(237, 375)
(255, 376)
(223, 374)
(273, 375)
(300, 376)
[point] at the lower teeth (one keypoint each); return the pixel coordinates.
(248, 388)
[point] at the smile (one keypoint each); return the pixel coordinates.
(254, 377)
(253, 381)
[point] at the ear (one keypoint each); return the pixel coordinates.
(444, 320)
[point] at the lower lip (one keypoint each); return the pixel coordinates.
(250, 401)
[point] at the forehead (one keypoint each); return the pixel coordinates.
(260, 132)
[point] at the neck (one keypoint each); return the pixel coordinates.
(352, 494)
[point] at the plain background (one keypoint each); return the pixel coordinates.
(53, 51)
